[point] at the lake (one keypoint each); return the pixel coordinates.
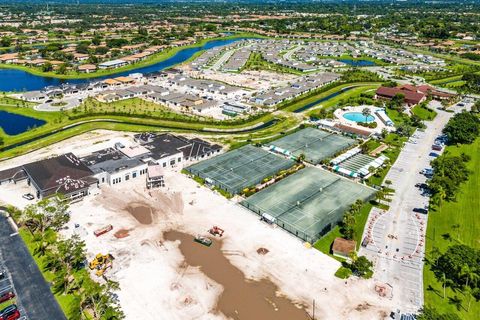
(19, 80)
(13, 124)
(358, 63)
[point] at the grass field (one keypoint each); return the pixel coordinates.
(257, 62)
(349, 57)
(424, 113)
(465, 213)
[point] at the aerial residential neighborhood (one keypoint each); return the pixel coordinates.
(239, 160)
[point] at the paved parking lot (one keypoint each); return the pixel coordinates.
(6, 285)
(34, 298)
(397, 236)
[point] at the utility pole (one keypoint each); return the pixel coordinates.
(313, 309)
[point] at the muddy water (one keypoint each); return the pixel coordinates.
(241, 299)
(141, 212)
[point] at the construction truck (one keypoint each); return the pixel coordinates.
(214, 231)
(101, 263)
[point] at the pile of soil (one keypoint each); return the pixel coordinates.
(263, 251)
(122, 233)
(141, 212)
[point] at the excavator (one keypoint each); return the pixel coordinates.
(101, 263)
(214, 231)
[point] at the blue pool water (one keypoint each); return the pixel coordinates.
(19, 80)
(358, 63)
(13, 124)
(358, 117)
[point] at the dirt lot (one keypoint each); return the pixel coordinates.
(255, 80)
(156, 279)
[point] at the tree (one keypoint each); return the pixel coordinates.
(449, 172)
(5, 42)
(348, 224)
(2, 141)
(460, 264)
(47, 213)
(62, 69)
(366, 112)
(362, 267)
(47, 67)
(429, 313)
(464, 127)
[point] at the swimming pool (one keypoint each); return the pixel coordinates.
(358, 117)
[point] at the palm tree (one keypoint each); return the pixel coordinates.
(366, 112)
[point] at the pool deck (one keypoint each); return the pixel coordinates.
(339, 115)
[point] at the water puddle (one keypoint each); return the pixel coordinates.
(241, 299)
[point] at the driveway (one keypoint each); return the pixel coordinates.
(398, 235)
(33, 293)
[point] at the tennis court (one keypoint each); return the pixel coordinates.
(244, 167)
(315, 144)
(308, 203)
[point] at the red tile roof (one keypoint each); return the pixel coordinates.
(411, 97)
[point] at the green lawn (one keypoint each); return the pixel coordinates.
(349, 57)
(257, 62)
(396, 116)
(465, 213)
(312, 97)
(424, 113)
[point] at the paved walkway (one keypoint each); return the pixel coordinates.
(397, 236)
(33, 293)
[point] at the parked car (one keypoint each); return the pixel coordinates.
(426, 171)
(10, 313)
(421, 185)
(420, 210)
(6, 296)
(434, 154)
(437, 147)
(28, 196)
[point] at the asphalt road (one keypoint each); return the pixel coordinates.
(33, 292)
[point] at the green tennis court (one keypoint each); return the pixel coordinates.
(315, 144)
(308, 203)
(240, 168)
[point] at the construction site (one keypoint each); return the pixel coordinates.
(199, 255)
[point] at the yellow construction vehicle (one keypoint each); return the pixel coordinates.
(101, 263)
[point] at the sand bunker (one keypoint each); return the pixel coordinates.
(141, 212)
(241, 298)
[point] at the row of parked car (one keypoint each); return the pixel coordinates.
(7, 294)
